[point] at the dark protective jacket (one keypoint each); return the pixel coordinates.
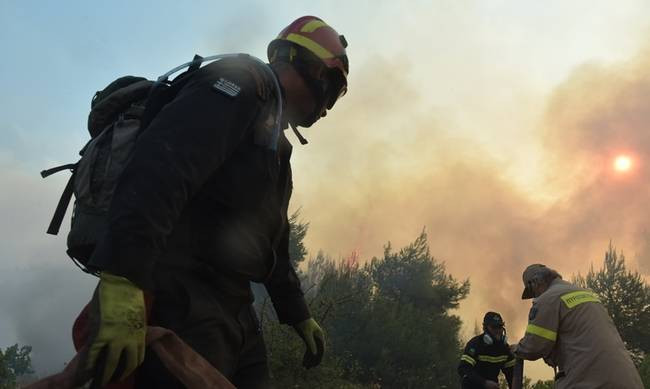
(209, 183)
(481, 361)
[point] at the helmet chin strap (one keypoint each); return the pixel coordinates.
(301, 138)
(318, 94)
(314, 116)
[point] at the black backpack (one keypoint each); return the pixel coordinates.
(119, 114)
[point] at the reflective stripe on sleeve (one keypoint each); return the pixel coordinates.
(510, 363)
(541, 332)
(468, 359)
(493, 359)
(574, 299)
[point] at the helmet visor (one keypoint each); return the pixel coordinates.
(330, 81)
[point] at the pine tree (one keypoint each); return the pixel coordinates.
(626, 297)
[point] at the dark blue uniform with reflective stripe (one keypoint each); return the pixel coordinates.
(481, 362)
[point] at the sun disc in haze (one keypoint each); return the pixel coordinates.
(622, 163)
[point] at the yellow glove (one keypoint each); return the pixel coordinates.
(314, 339)
(118, 329)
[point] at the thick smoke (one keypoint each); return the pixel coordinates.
(41, 291)
(385, 165)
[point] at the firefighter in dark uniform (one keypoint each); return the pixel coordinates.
(201, 210)
(486, 355)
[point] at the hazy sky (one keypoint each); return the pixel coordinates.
(492, 124)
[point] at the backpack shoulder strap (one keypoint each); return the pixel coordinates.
(64, 201)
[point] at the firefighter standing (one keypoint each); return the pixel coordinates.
(486, 355)
(571, 330)
(201, 210)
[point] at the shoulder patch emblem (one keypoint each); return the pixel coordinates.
(226, 87)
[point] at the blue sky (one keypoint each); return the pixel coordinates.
(57, 55)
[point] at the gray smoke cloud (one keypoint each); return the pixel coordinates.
(385, 164)
(41, 291)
